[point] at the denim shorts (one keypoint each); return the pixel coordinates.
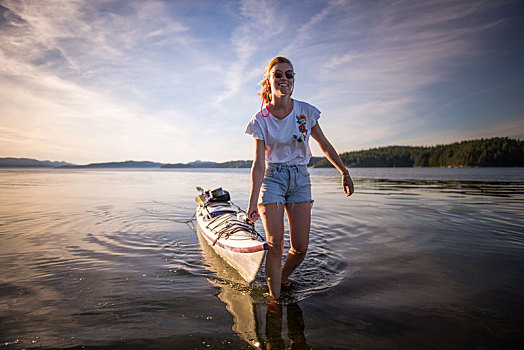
(285, 184)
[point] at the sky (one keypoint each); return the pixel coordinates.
(88, 81)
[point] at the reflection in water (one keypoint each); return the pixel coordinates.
(295, 327)
(234, 292)
(248, 313)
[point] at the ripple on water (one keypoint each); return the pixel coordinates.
(322, 269)
(95, 258)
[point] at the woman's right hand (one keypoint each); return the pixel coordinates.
(252, 213)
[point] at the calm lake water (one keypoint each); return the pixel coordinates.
(416, 258)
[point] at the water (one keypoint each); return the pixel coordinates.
(416, 258)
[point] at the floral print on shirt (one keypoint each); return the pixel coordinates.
(301, 121)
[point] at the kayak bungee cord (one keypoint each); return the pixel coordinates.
(231, 224)
(229, 228)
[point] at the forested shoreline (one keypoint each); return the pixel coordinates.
(492, 152)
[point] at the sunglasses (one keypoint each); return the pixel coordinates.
(289, 74)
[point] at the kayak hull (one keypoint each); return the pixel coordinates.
(240, 250)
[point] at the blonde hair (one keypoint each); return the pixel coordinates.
(265, 91)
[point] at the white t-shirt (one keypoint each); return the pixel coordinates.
(286, 140)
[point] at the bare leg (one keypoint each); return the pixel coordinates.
(273, 219)
(299, 216)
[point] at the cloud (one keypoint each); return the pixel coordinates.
(257, 24)
(365, 124)
(405, 46)
(161, 79)
(69, 66)
(48, 116)
(373, 72)
(89, 42)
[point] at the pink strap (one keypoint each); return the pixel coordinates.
(262, 106)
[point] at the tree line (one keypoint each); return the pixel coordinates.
(492, 152)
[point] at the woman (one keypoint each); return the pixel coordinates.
(281, 133)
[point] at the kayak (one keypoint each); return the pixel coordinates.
(225, 228)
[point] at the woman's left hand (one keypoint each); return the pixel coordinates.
(347, 185)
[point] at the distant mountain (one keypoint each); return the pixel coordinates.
(177, 165)
(30, 163)
(234, 164)
(314, 160)
(201, 164)
(130, 164)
